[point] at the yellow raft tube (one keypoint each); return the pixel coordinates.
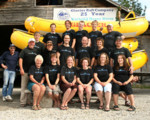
(20, 39)
(129, 27)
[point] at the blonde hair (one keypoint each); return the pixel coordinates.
(107, 59)
(95, 21)
(38, 57)
(82, 22)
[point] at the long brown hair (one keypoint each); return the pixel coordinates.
(85, 58)
(125, 64)
(107, 59)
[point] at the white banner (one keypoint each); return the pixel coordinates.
(85, 14)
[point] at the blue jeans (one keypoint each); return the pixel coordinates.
(9, 78)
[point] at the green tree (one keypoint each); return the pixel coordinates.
(133, 5)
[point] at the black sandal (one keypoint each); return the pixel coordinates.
(116, 108)
(131, 108)
(82, 106)
(87, 106)
(107, 109)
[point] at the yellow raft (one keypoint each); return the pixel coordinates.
(130, 27)
(20, 39)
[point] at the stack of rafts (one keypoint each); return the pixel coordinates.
(129, 27)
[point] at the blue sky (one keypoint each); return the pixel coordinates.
(147, 3)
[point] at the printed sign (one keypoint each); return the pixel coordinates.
(85, 14)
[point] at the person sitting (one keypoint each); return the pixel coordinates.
(36, 80)
(68, 83)
(52, 74)
(121, 81)
(103, 75)
(85, 79)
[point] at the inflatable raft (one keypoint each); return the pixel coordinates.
(20, 39)
(130, 27)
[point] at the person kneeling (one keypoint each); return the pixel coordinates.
(35, 84)
(122, 81)
(85, 79)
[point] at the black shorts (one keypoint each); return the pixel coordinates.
(126, 88)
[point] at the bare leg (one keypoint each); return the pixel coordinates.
(100, 96)
(42, 91)
(36, 93)
(80, 93)
(88, 94)
(57, 101)
(66, 95)
(131, 98)
(108, 98)
(115, 98)
(73, 92)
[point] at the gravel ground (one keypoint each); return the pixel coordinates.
(12, 110)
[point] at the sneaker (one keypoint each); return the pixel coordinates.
(4, 99)
(9, 98)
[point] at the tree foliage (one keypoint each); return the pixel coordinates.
(133, 5)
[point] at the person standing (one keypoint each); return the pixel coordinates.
(53, 36)
(38, 45)
(94, 34)
(69, 32)
(26, 60)
(110, 38)
(10, 58)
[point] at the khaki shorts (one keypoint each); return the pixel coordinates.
(55, 91)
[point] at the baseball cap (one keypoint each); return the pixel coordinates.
(110, 25)
(12, 45)
(31, 39)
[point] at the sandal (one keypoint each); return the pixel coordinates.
(62, 107)
(127, 103)
(116, 108)
(131, 108)
(66, 107)
(101, 107)
(39, 107)
(82, 106)
(87, 106)
(107, 109)
(34, 107)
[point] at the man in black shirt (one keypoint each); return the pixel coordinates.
(26, 60)
(119, 50)
(110, 37)
(70, 32)
(85, 51)
(79, 34)
(64, 51)
(94, 34)
(38, 45)
(53, 36)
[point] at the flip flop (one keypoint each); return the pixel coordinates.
(131, 108)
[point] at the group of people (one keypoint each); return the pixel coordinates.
(77, 61)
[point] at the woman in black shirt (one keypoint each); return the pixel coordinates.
(52, 74)
(36, 80)
(68, 84)
(103, 75)
(121, 81)
(85, 79)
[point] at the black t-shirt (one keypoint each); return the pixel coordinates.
(55, 38)
(64, 53)
(69, 73)
(121, 74)
(37, 73)
(46, 56)
(79, 35)
(84, 52)
(85, 75)
(72, 34)
(103, 72)
(28, 55)
(121, 51)
(40, 47)
(53, 71)
(110, 38)
(93, 36)
(99, 52)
